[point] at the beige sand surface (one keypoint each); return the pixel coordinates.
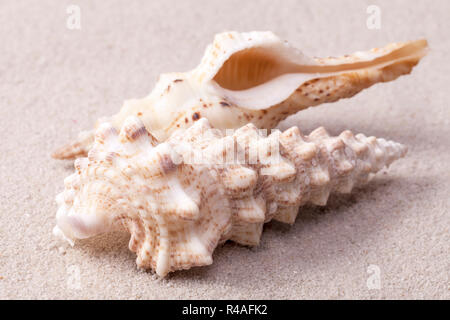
(55, 82)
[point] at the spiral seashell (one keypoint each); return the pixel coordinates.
(180, 198)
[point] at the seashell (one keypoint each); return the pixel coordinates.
(180, 198)
(254, 78)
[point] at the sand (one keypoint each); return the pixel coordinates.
(55, 82)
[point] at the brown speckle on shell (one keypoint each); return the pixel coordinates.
(167, 164)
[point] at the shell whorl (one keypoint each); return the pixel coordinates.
(179, 199)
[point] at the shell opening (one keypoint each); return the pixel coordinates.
(257, 78)
(255, 66)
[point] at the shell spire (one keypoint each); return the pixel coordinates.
(255, 77)
(180, 198)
